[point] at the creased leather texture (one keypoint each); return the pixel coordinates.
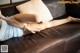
(61, 39)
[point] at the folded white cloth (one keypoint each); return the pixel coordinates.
(8, 31)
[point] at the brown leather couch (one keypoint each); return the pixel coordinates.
(61, 39)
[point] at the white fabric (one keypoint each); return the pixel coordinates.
(38, 8)
(7, 31)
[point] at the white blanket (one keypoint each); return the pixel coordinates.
(8, 31)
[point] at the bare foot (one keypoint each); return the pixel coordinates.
(72, 19)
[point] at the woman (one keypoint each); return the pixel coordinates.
(21, 24)
(14, 27)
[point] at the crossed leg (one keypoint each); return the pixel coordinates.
(0, 24)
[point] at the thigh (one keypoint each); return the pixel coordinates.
(25, 17)
(0, 23)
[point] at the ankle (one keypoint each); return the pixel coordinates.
(70, 18)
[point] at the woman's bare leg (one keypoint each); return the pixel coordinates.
(39, 27)
(59, 22)
(62, 21)
(12, 21)
(0, 24)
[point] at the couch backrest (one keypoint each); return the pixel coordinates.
(9, 10)
(73, 10)
(56, 9)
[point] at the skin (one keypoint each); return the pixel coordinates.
(25, 18)
(39, 27)
(19, 20)
(0, 24)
